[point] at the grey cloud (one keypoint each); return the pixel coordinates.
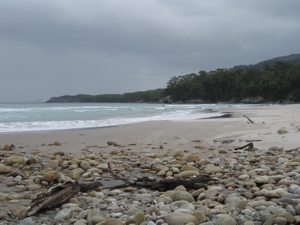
(95, 47)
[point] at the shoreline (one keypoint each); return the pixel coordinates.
(267, 120)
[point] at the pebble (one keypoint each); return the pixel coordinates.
(62, 215)
(178, 218)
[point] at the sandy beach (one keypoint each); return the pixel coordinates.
(176, 134)
(246, 183)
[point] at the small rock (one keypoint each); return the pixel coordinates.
(57, 143)
(62, 215)
(282, 131)
(31, 161)
(112, 143)
(4, 169)
(193, 158)
(50, 175)
(177, 152)
(139, 217)
(178, 218)
(59, 153)
(26, 221)
(15, 159)
(112, 222)
(19, 212)
(180, 195)
(187, 174)
(52, 164)
(225, 219)
(85, 165)
(213, 169)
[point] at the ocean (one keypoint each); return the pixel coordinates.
(33, 117)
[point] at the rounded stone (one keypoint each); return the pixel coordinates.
(193, 158)
(85, 165)
(280, 220)
(213, 169)
(103, 166)
(180, 195)
(50, 175)
(297, 209)
(139, 217)
(19, 212)
(4, 169)
(15, 159)
(80, 222)
(200, 216)
(33, 187)
(188, 168)
(225, 219)
(178, 218)
(187, 174)
(52, 164)
(62, 215)
(111, 222)
(177, 152)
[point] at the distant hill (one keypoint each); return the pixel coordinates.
(236, 85)
(293, 58)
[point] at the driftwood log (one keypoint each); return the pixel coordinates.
(165, 184)
(248, 147)
(251, 121)
(60, 194)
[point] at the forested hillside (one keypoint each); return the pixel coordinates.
(140, 96)
(273, 80)
(280, 82)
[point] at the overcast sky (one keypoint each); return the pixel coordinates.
(51, 48)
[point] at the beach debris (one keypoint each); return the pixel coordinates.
(248, 147)
(282, 131)
(165, 184)
(293, 149)
(56, 143)
(251, 121)
(112, 143)
(224, 141)
(249, 140)
(8, 147)
(59, 194)
(200, 141)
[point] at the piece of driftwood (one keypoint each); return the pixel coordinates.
(290, 201)
(291, 150)
(58, 195)
(165, 184)
(251, 121)
(54, 197)
(247, 147)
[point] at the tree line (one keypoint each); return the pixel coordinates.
(279, 81)
(272, 83)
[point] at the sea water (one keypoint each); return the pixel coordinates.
(28, 117)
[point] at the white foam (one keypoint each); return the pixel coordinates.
(79, 124)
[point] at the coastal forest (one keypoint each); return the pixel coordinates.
(275, 80)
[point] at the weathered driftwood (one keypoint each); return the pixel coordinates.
(290, 201)
(55, 196)
(291, 150)
(165, 184)
(251, 121)
(59, 195)
(248, 147)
